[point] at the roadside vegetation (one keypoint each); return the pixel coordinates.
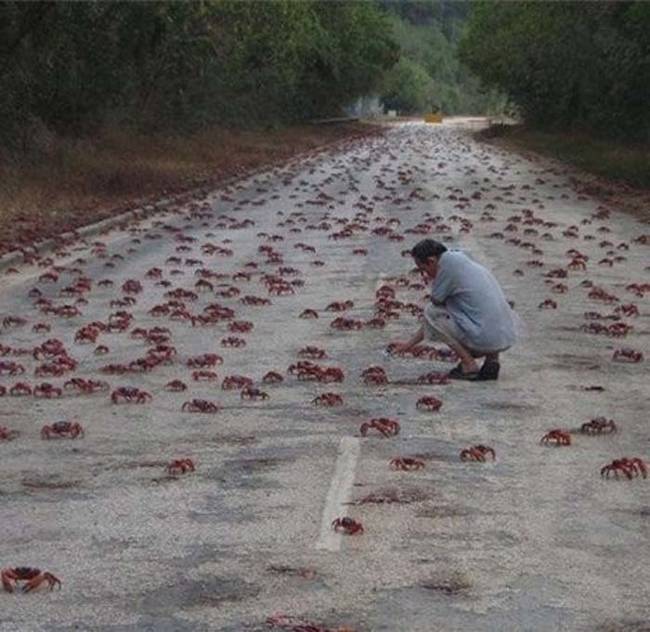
(429, 74)
(578, 74)
(73, 67)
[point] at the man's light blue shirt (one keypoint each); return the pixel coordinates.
(475, 301)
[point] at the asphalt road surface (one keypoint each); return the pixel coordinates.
(534, 540)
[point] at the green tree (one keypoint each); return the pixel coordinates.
(428, 33)
(566, 64)
(179, 65)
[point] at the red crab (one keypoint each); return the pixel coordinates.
(577, 264)
(272, 377)
(13, 321)
(8, 435)
(256, 301)
(48, 277)
(619, 330)
(86, 386)
(477, 453)
(132, 287)
(47, 391)
(328, 399)
(386, 427)
(548, 304)
(236, 382)
(280, 289)
(33, 576)
(203, 286)
(429, 403)
(20, 389)
(627, 355)
(308, 313)
(346, 324)
(628, 309)
(347, 525)
(557, 436)
(204, 376)
(240, 326)
(233, 341)
(130, 394)
(180, 466)
(630, 467)
(406, 464)
(11, 368)
(339, 306)
(204, 361)
(433, 377)
(200, 406)
(330, 374)
(374, 375)
(250, 393)
(62, 430)
(599, 425)
(303, 367)
(61, 365)
(176, 386)
(375, 323)
(599, 294)
(314, 353)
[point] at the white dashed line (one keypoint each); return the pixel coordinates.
(339, 493)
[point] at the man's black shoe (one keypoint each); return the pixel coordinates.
(489, 371)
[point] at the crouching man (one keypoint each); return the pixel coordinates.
(468, 311)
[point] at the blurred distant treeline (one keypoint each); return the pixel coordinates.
(70, 66)
(567, 65)
(429, 74)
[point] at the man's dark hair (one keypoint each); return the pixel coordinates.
(427, 248)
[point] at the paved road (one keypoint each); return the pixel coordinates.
(534, 541)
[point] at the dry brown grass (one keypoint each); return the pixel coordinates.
(77, 182)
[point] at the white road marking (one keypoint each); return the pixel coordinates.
(339, 493)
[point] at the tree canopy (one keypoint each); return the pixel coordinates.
(567, 64)
(429, 73)
(72, 65)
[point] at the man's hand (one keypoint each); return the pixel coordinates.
(395, 348)
(402, 347)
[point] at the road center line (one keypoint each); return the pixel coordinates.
(339, 493)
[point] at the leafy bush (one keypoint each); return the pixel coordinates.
(180, 65)
(567, 64)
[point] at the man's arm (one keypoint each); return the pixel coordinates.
(403, 347)
(445, 282)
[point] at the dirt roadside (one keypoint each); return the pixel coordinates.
(586, 181)
(74, 186)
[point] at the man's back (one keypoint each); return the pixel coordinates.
(474, 300)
